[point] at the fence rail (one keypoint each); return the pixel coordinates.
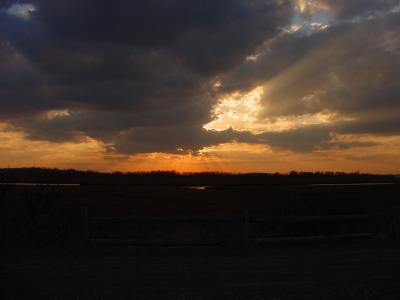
(153, 220)
(246, 221)
(284, 219)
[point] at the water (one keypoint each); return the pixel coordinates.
(38, 184)
(352, 184)
(198, 187)
(205, 187)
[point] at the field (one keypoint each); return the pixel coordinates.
(45, 253)
(351, 270)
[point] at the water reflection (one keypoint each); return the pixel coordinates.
(198, 187)
(352, 184)
(38, 184)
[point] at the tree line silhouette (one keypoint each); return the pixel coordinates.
(47, 175)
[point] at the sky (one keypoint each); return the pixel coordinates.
(211, 85)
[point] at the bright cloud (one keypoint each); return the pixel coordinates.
(23, 10)
(241, 112)
(236, 111)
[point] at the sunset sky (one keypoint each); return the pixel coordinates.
(210, 85)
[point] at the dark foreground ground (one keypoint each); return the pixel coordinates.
(342, 270)
(43, 228)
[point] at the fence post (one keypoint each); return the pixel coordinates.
(375, 220)
(85, 224)
(246, 227)
(394, 223)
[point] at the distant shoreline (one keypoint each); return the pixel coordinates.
(193, 187)
(39, 184)
(56, 177)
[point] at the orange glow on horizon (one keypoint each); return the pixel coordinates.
(16, 151)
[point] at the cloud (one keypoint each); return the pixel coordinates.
(126, 70)
(23, 11)
(139, 76)
(298, 140)
(348, 71)
(175, 140)
(345, 8)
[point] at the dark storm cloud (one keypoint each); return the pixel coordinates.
(299, 140)
(349, 70)
(176, 140)
(174, 26)
(299, 64)
(309, 138)
(122, 67)
(150, 22)
(5, 3)
(208, 35)
(22, 87)
(137, 74)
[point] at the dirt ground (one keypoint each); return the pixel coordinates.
(340, 270)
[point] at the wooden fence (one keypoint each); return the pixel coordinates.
(390, 229)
